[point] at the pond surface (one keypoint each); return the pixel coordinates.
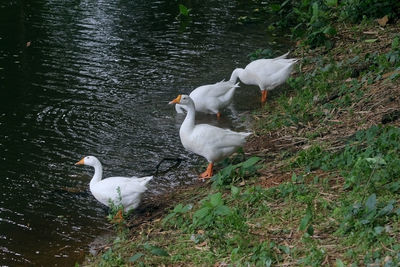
(87, 77)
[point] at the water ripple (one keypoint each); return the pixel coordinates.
(96, 80)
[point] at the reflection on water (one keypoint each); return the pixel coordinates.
(95, 80)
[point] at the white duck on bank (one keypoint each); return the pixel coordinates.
(265, 73)
(208, 141)
(211, 98)
(120, 190)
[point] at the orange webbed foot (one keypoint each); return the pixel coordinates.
(264, 94)
(208, 173)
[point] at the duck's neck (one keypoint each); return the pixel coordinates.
(236, 74)
(245, 76)
(98, 174)
(188, 123)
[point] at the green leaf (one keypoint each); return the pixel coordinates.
(168, 217)
(395, 43)
(331, 3)
(294, 178)
(310, 230)
(376, 160)
(379, 229)
(364, 221)
(227, 171)
(135, 257)
(222, 210)
(234, 190)
(387, 209)
(155, 250)
(235, 251)
(339, 263)
(216, 199)
(275, 7)
(370, 204)
(183, 10)
(187, 208)
(305, 221)
(178, 208)
(285, 249)
(250, 162)
(159, 252)
(397, 211)
(371, 40)
(315, 11)
(201, 213)
(330, 30)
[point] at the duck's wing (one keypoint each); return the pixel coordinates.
(279, 77)
(142, 180)
(208, 135)
(213, 90)
(222, 88)
(265, 68)
(111, 185)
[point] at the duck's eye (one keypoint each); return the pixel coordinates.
(87, 157)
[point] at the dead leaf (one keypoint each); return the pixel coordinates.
(28, 44)
(383, 21)
(202, 244)
(371, 33)
(388, 74)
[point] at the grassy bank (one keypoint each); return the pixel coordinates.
(319, 182)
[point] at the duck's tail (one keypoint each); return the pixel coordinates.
(283, 56)
(144, 180)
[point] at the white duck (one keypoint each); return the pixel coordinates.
(211, 98)
(266, 73)
(208, 141)
(120, 190)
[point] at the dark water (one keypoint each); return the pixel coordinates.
(96, 79)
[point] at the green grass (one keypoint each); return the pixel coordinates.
(314, 96)
(302, 221)
(339, 206)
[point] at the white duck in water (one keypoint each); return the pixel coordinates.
(208, 141)
(120, 190)
(266, 73)
(211, 98)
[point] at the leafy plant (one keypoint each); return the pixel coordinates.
(232, 173)
(177, 216)
(111, 258)
(356, 10)
(155, 250)
(309, 158)
(368, 219)
(116, 210)
(217, 219)
(184, 11)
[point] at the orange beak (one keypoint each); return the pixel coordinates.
(81, 162)
(176, 100)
